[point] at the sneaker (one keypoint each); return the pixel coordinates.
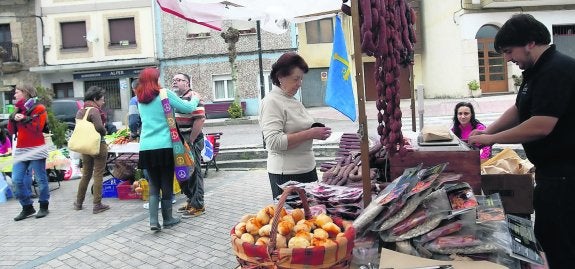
(77, 206)
(193, 212)
(184, 208)
(99, 208)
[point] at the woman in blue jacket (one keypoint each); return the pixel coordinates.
(156, 153)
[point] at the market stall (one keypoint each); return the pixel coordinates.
(431, 187)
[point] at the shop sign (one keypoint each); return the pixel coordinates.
(108, 74)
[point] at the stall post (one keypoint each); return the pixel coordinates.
(358, 61)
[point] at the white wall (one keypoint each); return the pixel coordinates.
(450, 59)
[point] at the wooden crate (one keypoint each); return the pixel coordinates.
(462, 161)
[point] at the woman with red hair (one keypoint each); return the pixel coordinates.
(156, 149)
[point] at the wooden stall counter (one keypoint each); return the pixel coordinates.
(461, 158)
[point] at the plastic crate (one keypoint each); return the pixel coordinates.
(125, 191)
(109, 188)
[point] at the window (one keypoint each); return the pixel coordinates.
(63, 90)
(223, 88)
(320, 31)
(8, 96)
(564, 30)
(73, 35)
(195, 30)
(122, 32)
(7, 50)
(112, 87)
(245, 27)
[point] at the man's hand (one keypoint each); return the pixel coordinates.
(481, 139)
(477, 132)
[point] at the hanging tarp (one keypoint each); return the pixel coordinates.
(275, 15)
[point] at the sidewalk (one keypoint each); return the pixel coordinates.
(121, 238)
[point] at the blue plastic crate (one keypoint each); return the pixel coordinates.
(109, 188)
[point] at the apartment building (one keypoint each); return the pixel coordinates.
(104, 43)
(202, 53)
(18, 46)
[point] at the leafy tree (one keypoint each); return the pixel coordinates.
(231, 37)
(57, 127)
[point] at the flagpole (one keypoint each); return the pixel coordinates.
(357, 57)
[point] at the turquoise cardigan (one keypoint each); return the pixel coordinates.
(155, 133)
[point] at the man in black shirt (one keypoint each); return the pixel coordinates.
(543, 120)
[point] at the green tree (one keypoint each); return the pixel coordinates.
(231, 37)
(57, 127)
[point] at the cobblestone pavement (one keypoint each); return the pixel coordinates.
(121, 238)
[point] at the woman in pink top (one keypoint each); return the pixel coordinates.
(5, 143)
(5, 152)
(464, 122)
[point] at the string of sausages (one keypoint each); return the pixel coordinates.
(388, 34)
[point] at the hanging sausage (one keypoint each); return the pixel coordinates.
(388, 34)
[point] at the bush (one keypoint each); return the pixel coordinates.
(57, 127)
(473, 85)
(235, 110)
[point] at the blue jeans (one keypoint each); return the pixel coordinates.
(22, 181)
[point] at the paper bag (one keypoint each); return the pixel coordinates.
(436, 133)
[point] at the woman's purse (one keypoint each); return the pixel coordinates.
(85, 139)
(183, 161)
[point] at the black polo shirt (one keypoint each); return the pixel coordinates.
(549, 90)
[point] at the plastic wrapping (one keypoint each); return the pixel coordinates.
(436, 207)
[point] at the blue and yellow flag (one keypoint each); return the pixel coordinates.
(339, 92)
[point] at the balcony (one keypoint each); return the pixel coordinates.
(518, 3)
(10, 59)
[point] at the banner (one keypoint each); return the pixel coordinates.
(339, 92)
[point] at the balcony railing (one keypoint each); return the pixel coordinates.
(9, 52)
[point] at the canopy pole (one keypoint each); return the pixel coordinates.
(412, 105)
(357, 57)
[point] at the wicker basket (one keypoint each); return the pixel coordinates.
(252, 256)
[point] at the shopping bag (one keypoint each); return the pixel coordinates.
(208, 150)
(85, 139)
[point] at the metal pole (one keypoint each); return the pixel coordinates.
(357, 57)
(412, 89)
(262, 86)
(421, 108)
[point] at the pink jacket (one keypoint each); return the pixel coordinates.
(466, 130)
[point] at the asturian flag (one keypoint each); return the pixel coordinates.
(339, 92)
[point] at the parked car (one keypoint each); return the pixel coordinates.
(65, 110)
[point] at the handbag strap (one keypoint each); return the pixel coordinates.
(174, 134)
(86, 113)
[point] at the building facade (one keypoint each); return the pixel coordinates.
(459, 36)
(202, 53)
(18, 46)
(96, 43)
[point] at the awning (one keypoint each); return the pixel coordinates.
(274, 15)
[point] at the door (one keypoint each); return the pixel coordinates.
(370, 82)
(492, 65)
(313, 88)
